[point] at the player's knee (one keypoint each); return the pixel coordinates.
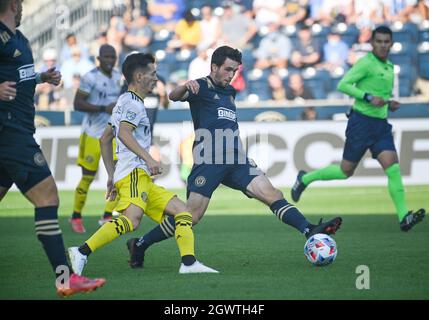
(135, 221)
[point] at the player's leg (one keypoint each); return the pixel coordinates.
(44, 196)
(185, 237)
(88, 158)
(132, 206)
(262, 189)
(389, 162)
(5, 181)
(202, 181)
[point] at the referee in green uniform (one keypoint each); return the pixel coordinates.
(370, 82)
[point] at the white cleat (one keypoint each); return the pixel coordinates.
(196, 267)
(77, 260)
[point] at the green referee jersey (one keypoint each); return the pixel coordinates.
(369, 75)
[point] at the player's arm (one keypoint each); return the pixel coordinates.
(348, 86)
(181, 92)
(106, 147)
(127, 138)
(80, 104)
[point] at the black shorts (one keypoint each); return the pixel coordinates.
(205, 178)
(21, 162)
(365, 133)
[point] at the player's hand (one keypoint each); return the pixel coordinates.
(111, 192)
(51, 76)
(393, 105)
(154, 167)
(193, 86)
(7, 90)
(378, 102)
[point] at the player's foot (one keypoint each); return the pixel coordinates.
(329, 227)
(136, 253)
(77, 260)
(104, 220)
(196, 267)
(411, 219)
(299, 187)
(79, 284)
(77, 225)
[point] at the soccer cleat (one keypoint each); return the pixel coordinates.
(77, 225)
(77, 260)
(411, 219)
(78, 284)
(329, 227)
(104, 220)
(299, 187)
(136, 253)
(196, 267)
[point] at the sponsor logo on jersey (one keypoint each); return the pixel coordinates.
(200, 181)
(224, 113)
(26, 72)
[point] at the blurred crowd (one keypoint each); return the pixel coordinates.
(288, 46)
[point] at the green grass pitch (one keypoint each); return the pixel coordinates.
(258, 257)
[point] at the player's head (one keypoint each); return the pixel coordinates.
(224, 64)
(140, 72)
(14, 7)
(107, 58)
(381, 41)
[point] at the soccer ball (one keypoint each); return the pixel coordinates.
(320, 249)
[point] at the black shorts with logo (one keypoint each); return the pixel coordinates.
(21, 161)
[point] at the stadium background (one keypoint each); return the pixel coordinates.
(259, 258)
(269, 85)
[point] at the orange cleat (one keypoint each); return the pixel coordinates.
(79, 284)
(77, 225)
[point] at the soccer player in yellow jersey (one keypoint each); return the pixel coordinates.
(137, 193)
(370, 82)
(98, 92)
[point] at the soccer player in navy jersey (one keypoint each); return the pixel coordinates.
(21, 159)
(220, 158)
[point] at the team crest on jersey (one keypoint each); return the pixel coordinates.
(89, 159)
(200, 181)
(17, 53)
(39, 159)
(131, 115)
(144, 196)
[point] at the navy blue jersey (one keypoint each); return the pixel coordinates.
(213, 109)
(17, 64)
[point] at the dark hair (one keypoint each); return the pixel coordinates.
(220, 54)
(4, 5)
(135, 61)
(381, 29)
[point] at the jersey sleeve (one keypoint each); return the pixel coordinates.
(132, 113)
(87, 83)
(347, 84)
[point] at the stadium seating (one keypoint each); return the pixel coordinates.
(423, 60)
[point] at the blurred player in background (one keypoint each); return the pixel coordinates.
(370, 82)
(138, 195)
(21, 159)
(98, 92)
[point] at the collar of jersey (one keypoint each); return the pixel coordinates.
(2, 25)
(378, 59)
(139, 96)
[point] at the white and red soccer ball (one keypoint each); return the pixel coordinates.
(320, 249)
